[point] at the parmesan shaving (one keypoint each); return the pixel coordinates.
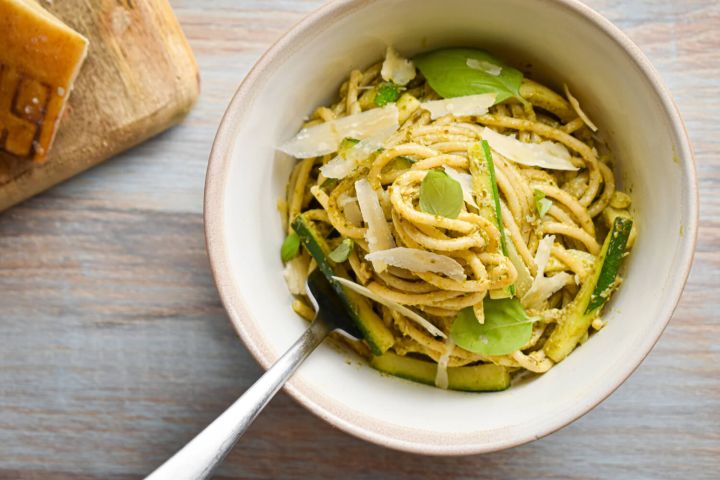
(397, 69)
(460, 106)
(576, 106)
(441, 374)
(543, 287)
(326, 137)
(432, 329)
(465, 181)
(585, 260)
(483, 66)
(417, 260)
(378, 236)
(479, 310)
(343, 165)
(350, 208)
(523, 281)
(353, 214)
(295, 273)
(339, 167)
(548, 154)
(344, 199)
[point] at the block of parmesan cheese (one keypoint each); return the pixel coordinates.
(40, 57)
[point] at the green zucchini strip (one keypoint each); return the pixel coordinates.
(593, 295)
(377, 335)
(487, 195)
(478, 378)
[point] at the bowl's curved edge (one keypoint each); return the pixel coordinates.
(400, 438)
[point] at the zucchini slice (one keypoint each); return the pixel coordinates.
(593, 295)
(478, 378)
(377, 335)
(487, 197)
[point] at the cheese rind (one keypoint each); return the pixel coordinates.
(39, 61)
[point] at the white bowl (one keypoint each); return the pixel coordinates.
(564, 41)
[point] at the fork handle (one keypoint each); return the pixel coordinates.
(198, 459)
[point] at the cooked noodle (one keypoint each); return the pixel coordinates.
(578, 198)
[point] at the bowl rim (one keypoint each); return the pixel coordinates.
(407, 438)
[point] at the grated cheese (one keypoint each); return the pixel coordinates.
(441, 374)
(523, 281)
(295, 273)
(483, 66)
(576, 106)
(350, 208)
(397, 69)
(465, 181)
(543, 287)
(432, 329)
(460, 106)
(325, 138)
(550, 155)
(378, 235)
(343, 165)
(417, 260)
(339, 167)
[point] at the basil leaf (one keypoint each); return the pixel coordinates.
(448, 73)
(542, 204)
(387, 92)
(341, 253)
(400, 163)
(441, 195)
(506, 329)
(290, 247)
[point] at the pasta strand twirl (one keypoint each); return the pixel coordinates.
(473, 267)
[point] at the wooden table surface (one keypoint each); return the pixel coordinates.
(115, 349)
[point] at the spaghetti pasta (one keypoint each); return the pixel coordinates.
(494, 247)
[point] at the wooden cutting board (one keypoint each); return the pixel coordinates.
(139, 78)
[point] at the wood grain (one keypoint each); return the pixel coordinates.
(116, 351)
(139, 78)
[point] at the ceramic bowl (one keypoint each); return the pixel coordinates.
(559, 41)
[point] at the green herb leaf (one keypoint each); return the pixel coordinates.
(387, 92)
(341, 253)
(542, 204)
(613, 252)
(441, 195)
(448, 73)
(290, 247)
(345, 145)
(400, 163)
(506, 329)
(329, 184)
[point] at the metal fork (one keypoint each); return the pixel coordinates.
(199, 458)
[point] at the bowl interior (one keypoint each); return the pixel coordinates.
(558, 42)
